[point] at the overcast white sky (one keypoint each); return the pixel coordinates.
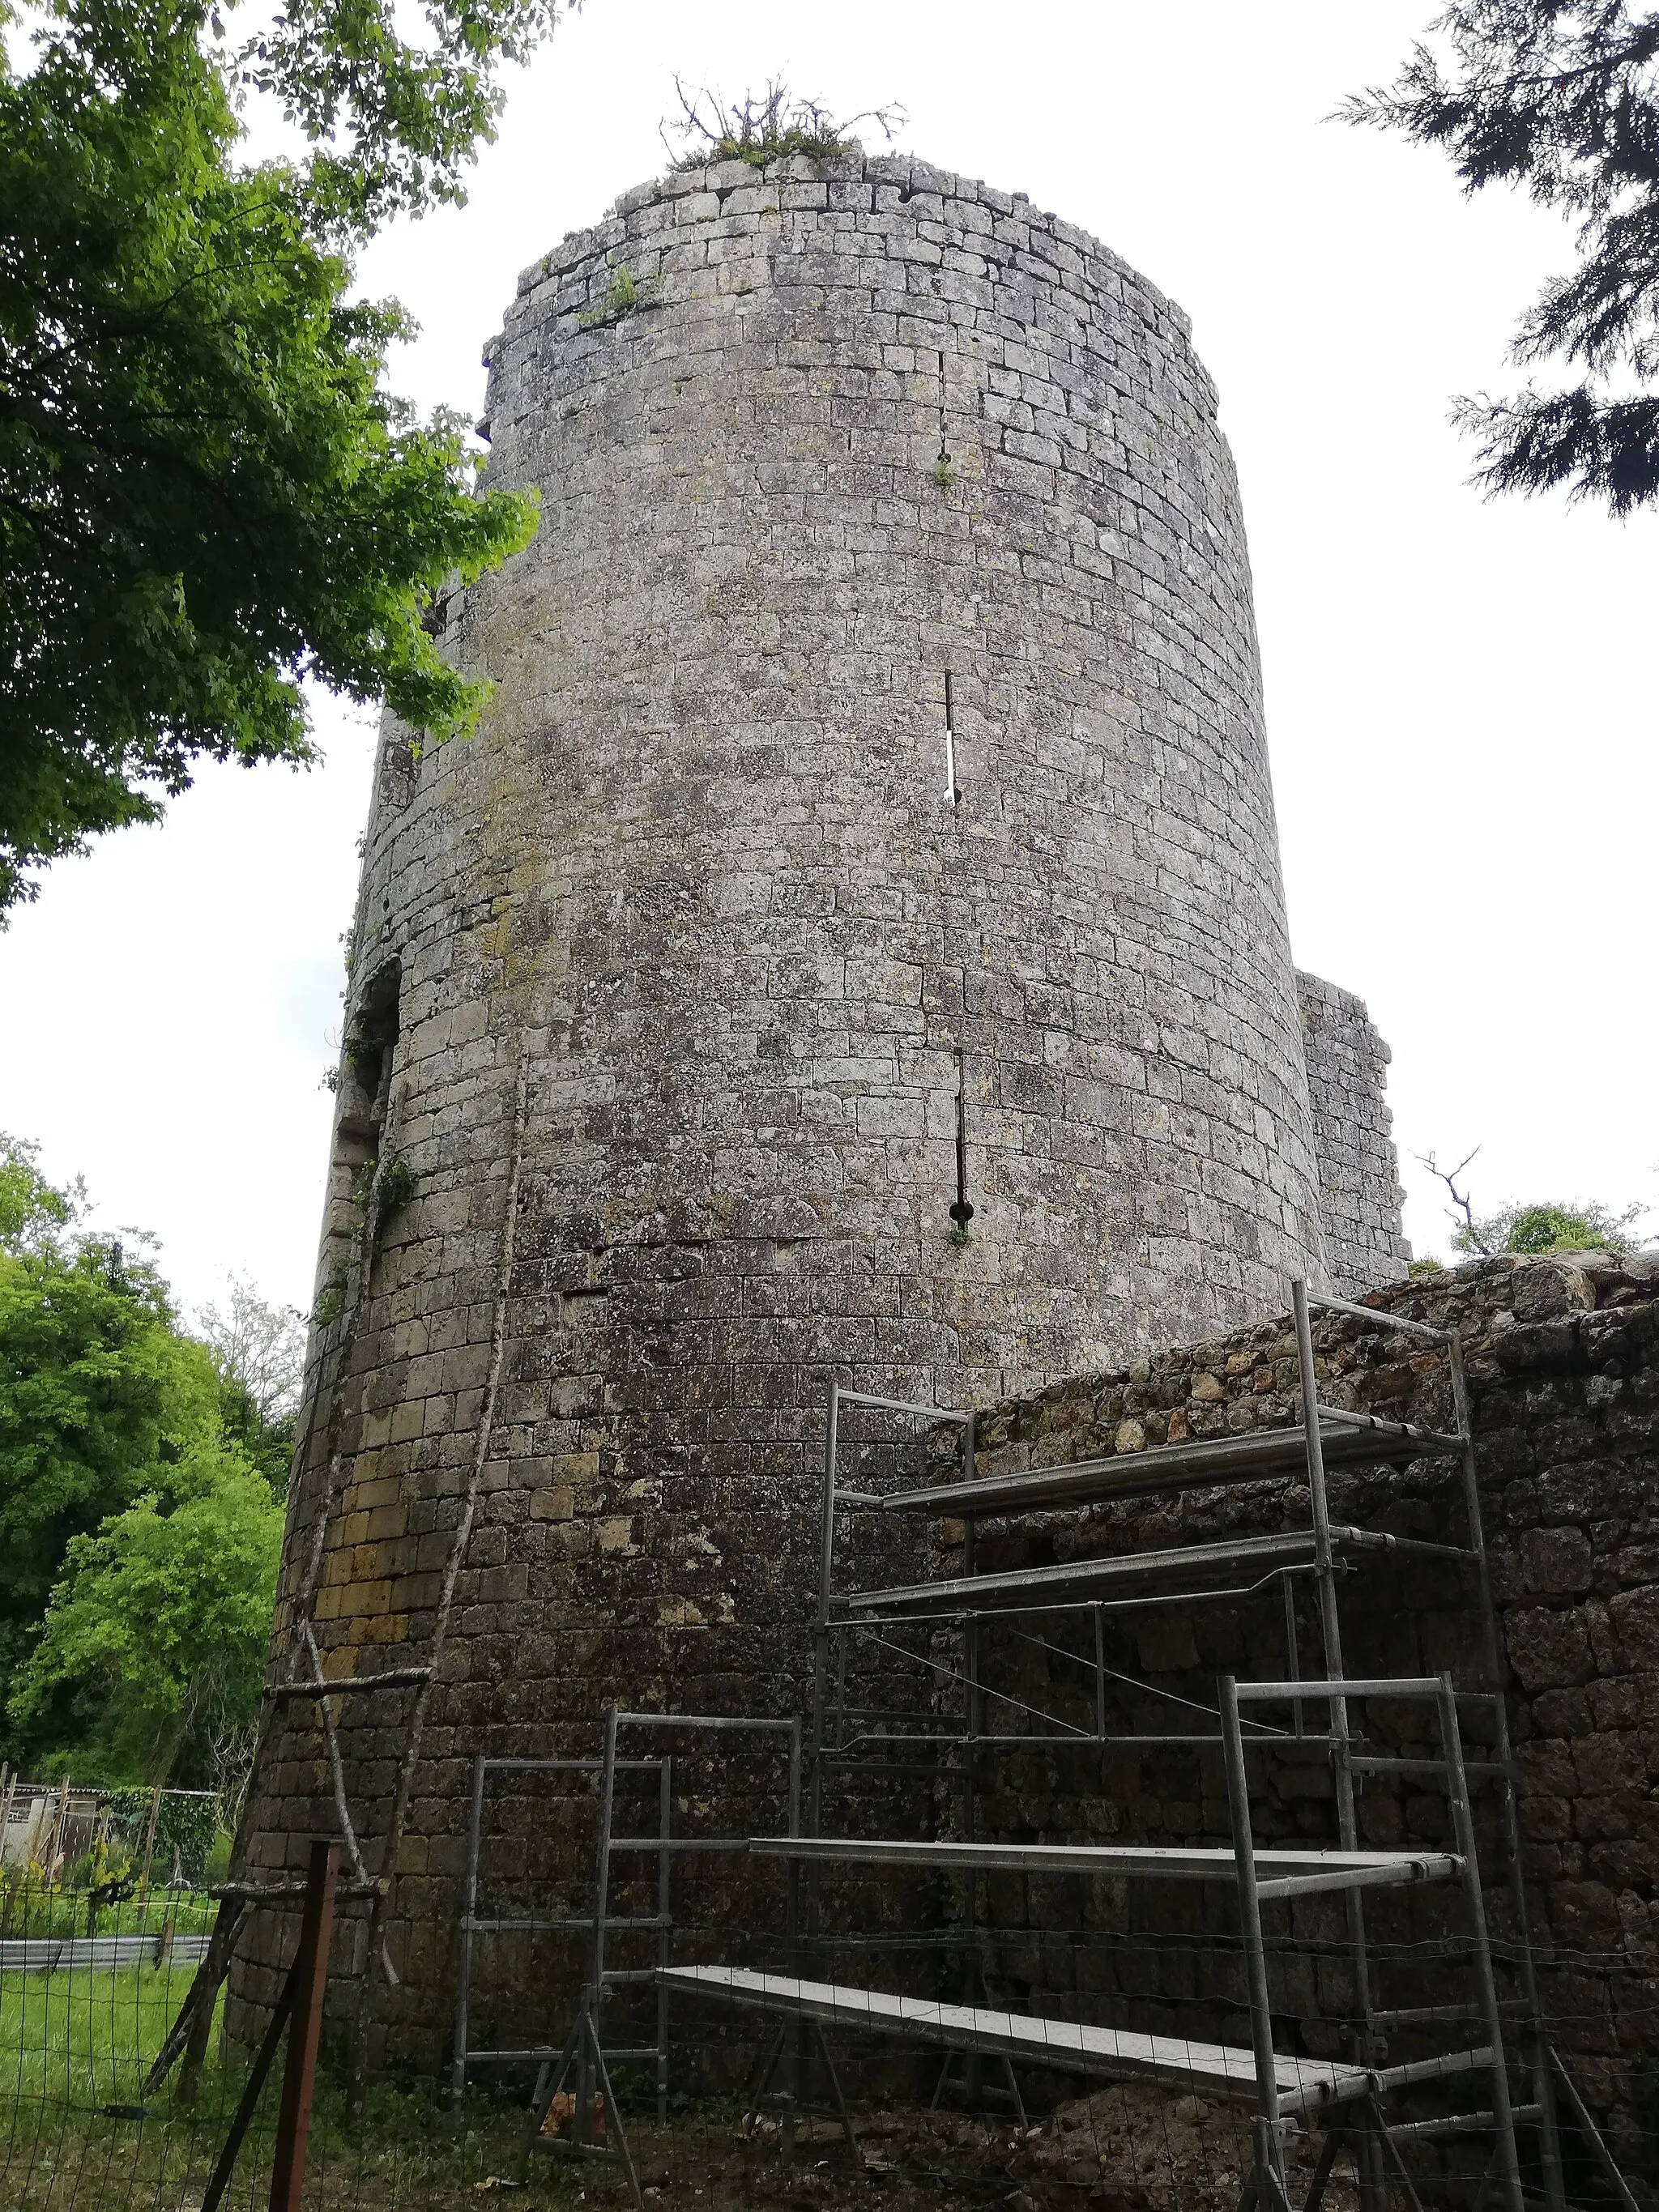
(1460, 694)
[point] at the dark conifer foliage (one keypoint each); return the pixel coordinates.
(1561, 97)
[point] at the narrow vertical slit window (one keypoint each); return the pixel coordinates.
(962, 1211)
(364, 1091)
(365, 1078)
(952, 792)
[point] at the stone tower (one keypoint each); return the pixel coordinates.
(878, 717)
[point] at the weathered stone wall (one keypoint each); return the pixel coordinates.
(1563, 1358)
(875, 451)
(1360, 1197)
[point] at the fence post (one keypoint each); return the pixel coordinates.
(60, 1822)
(287, 2172)
(150, 1842)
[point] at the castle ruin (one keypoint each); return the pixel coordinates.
(871, 822)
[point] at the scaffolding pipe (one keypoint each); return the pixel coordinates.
(1379, 1318)
(469, 1911)
(1346, 1825)
(826, 1577)
(1270, 2148)
(1451, 1739)
(1543, 2080)
(901, 1406)
(602, 1881)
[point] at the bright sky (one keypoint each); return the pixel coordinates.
(1460, 707)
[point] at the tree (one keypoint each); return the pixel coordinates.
(206, 495)
(1560, 96)
(159, 1625)
(141, 1474)
(1542, 1226)
(259, 1350)
(98, 1391)
(31, 1210)
(1547, 1226)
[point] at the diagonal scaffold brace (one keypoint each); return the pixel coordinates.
(582, 2062)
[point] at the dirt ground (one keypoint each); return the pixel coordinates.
(1123, 2149)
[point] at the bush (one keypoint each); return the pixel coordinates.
(1584, 1226)
(766, 126)
(187, 1822)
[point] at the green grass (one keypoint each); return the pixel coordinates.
(84, 2038)
(75, 2045)
(74, 2050)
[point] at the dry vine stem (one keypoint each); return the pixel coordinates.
(453, 1565)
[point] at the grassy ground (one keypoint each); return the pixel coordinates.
(73, 2051)
(74, 2048)
(82, 2039)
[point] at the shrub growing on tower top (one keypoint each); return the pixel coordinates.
(764, 126)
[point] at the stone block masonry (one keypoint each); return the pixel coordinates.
(880, 699)
(1360, 1197)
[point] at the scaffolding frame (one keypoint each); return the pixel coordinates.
(1270, 2177)
(1346, 2097)
(472, 1923)
(872, 1740)
(584, 2061)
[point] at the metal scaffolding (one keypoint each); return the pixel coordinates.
(905, 1694)
(581, 2072)
(490, 1923)
(934, 1632)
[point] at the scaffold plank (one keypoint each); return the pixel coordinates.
(1220, 2070)
(1158, 1862)
(1193, 1465)
(974, 1593)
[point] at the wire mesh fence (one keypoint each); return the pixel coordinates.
(788, 2095)
(81, 2019)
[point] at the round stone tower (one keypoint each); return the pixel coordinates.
(878, 719)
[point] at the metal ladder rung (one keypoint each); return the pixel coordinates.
(509, 2058)
(569, 1926)
(1458, 2124)
(675, 1844)
(1449, 2015)
(1380, 1763)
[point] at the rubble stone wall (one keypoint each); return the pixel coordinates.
(1562, 1359)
